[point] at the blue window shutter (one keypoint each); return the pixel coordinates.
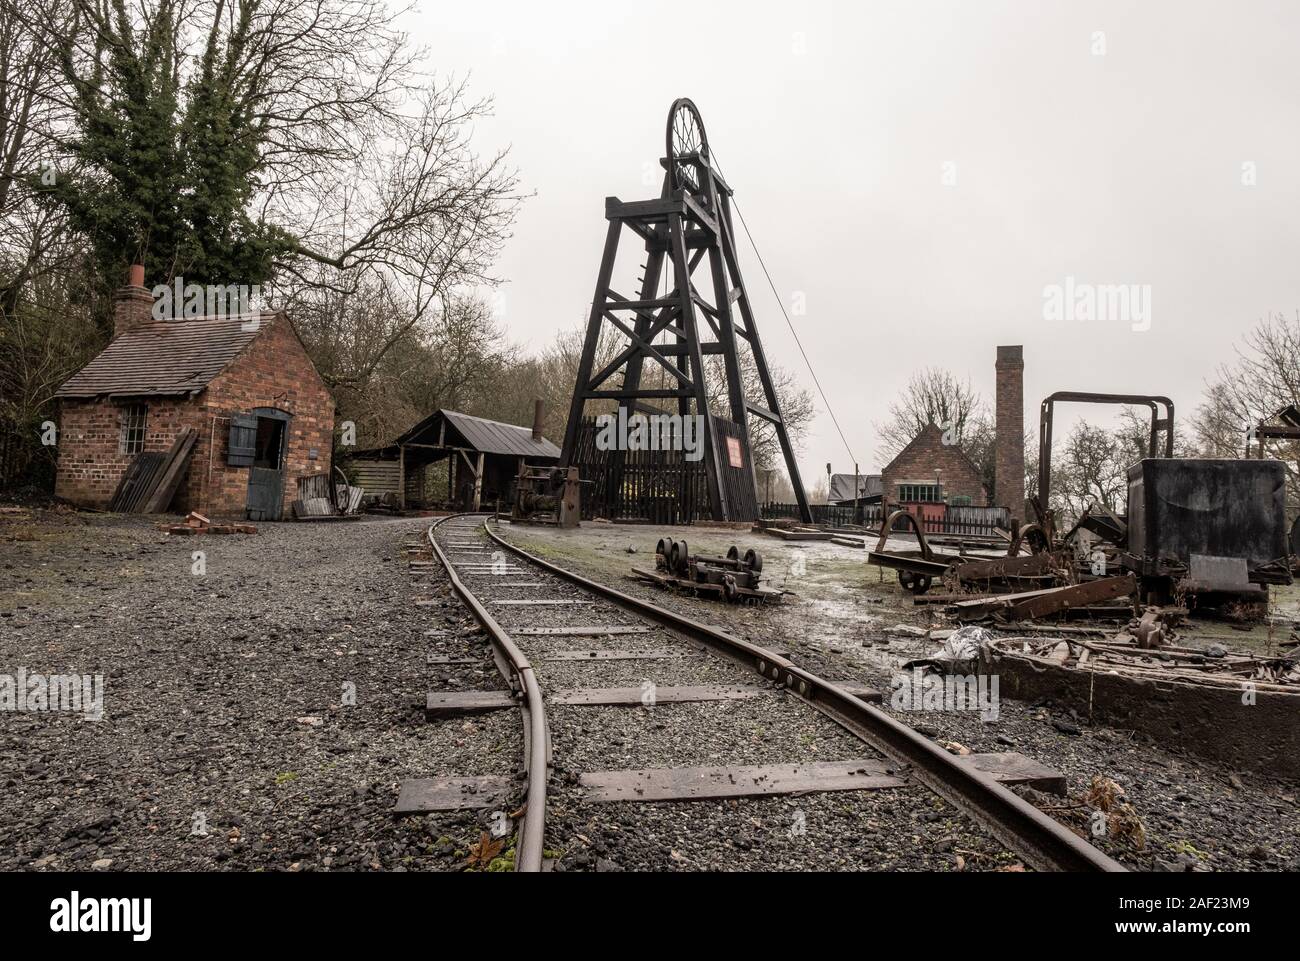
(242, 446)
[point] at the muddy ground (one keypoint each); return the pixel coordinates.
(841, 621)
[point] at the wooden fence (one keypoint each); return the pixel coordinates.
(654, 486)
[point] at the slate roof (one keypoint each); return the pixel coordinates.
(487, 436)
(166, 359)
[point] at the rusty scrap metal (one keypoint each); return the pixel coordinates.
(1016, 573)
(1155, 628)
(1029, 605)
(918, 569)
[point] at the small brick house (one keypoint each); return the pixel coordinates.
(243, 382)
(929, 471)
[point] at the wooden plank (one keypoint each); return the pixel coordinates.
(178, 461)
(659, 654)
(612, 655)
(421, 795)
(584, 631)
(150, 465)
(631, 696)
(711, 783)
(532, 602)
(1009, 767)
(799, 535)
(445, 704)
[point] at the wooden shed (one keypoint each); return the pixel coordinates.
(484, 458)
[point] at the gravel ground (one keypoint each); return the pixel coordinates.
(227, 741)
(1196, 815)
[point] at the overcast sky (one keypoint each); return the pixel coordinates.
(841, 128)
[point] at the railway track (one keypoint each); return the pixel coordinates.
(584, 657)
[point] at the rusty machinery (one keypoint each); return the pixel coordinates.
(547, 495)
(1194, 526)
(736, 574)
(918, 569)
(1198, 526)
(1048, 408)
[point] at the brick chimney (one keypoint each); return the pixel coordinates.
(1009, 436)
(132, 304)
(537, 419)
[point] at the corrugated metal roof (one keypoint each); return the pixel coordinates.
(488, 436)
(167, 358)
(869, 485)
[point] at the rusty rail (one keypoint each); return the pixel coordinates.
(1042, 842)
(518, 673)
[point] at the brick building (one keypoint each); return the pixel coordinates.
(929, 471)
(244, 383)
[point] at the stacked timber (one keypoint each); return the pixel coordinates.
(316, 503)
(153, 477)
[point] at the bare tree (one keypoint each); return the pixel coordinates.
(387, 375)
(935, 396)
(1263, 379)
(1091, 468)
(932, 396)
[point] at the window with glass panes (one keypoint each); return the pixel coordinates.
(918, 493)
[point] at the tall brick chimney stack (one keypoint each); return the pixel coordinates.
(132, 304)
(1009, 436)
(537, 419)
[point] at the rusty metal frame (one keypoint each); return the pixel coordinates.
(928, 565)
(888, 526)
(1047, 410)
(1044, 843)
(1034, 534)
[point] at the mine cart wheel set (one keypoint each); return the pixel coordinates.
(734, 577)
